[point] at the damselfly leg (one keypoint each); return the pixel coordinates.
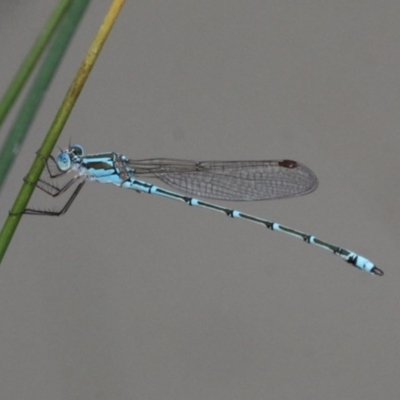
(67, 205)
(53, 190)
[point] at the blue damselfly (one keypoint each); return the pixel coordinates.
(222, 180)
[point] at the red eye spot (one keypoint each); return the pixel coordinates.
(287, 164)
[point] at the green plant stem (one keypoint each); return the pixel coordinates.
(33, 100)
(55, 129)
(31, 59)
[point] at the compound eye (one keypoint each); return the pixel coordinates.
(76, 150)
(64, 161)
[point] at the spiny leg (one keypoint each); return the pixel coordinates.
(54, 190)
(64, 209)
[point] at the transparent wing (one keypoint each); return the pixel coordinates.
(231, 180)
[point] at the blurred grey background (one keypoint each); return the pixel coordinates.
(132, 296)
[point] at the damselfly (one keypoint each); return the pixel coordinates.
(222, 180)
